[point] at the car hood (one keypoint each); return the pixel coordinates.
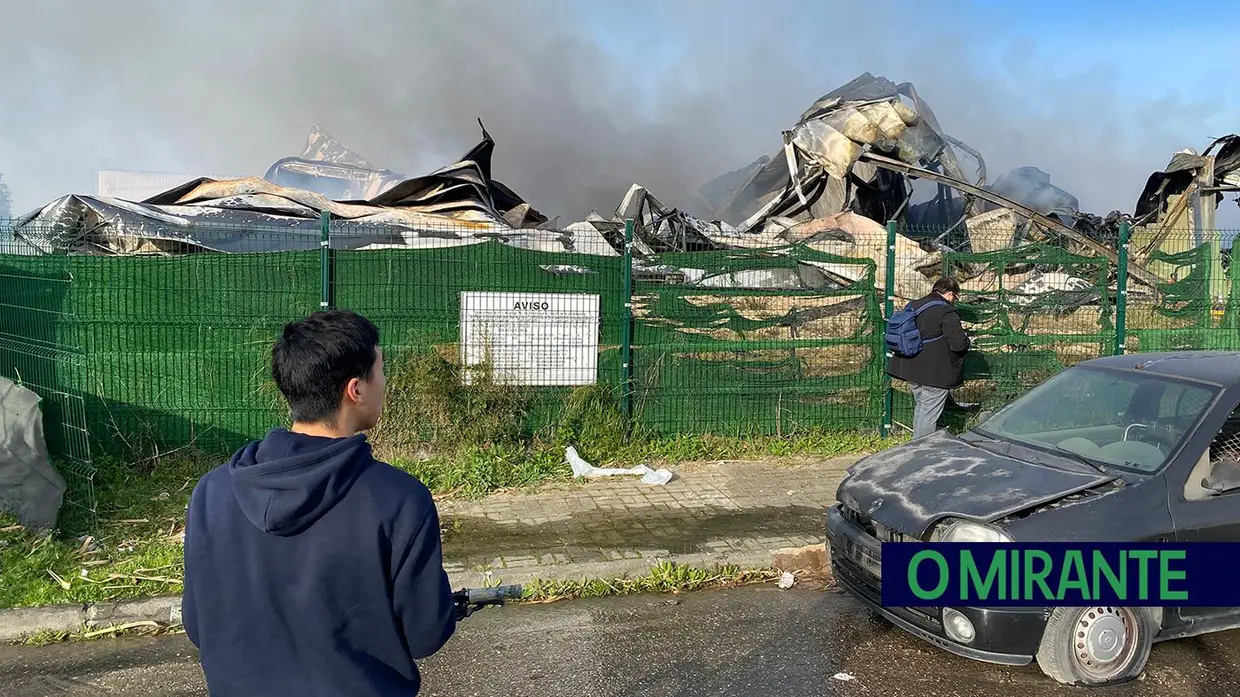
(908, 487)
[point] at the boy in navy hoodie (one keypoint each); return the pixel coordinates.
(310, 567)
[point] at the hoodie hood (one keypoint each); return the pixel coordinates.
(287, 481)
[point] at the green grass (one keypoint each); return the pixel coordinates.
(666, 577)
(135, 552)
(476, 471)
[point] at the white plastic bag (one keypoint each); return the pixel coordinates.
(581, 468)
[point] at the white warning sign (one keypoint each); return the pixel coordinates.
(531, 338)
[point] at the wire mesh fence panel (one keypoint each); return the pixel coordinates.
(1193, 305)
(484, 341)
(177, 336)
(39, 352)
(774, 340)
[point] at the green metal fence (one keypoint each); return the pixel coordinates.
(170, 349)
(39, 354)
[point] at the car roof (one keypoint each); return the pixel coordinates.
(1220, 368)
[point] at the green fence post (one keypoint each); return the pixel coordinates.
(325, 261)
(1121, 291)
(626, 340)
(889, 299)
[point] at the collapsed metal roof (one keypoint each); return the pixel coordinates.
(855, 153)
(457, 204)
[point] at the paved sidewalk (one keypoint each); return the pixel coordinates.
(719, 512)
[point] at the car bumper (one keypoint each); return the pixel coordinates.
(1008, 636)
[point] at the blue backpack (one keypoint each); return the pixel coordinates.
(903, 338)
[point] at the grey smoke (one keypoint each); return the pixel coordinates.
(583, 97)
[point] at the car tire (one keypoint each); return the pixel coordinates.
(1097, 646)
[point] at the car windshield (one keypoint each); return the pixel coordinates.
(1124, 419)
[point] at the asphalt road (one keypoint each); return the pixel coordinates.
(750, 641)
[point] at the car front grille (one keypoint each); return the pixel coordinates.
(926, 617)
(878, 531)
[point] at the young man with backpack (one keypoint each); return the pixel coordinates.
(927, 347)
(311, 568)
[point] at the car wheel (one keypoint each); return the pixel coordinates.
(1096, 646)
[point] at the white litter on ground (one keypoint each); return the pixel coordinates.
(843, 676)
(786, 579)
(581, 468)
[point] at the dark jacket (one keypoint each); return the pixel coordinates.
(940, 363)
(313, 569)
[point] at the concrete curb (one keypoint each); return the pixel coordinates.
(18, 623)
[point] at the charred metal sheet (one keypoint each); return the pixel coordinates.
(466, 184)
(98, 225)
(910, 487)
(1092, 246)
(329, 168)
(322, 147)
(1032, 188)
(458, 204)
(661, 229)
(1182, 173)
(821, 169)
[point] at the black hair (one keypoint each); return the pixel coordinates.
(946, 284)
(316, 357)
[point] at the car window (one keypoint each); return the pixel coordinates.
(1125, 419)
(1095, 399)
(1181, 401)
(1225, 447)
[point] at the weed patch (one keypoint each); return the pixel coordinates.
(47, 638)
(135, 552)
(666, 577)
(434, 407)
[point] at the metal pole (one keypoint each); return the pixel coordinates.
(1121, 291)
(626, 341)
(325, 260)
(889, 299)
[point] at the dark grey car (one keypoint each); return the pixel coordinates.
(1136, 448)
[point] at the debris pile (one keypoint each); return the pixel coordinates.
(30, 487)
(846, 167)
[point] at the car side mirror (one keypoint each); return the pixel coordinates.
(1224, 477)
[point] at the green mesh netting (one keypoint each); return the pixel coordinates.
(772, 340)
(1030, 311)
(1187, 312)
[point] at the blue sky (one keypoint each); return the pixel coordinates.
(1154, 47)
(1149, 49)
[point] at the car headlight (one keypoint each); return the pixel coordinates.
(962, 531)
